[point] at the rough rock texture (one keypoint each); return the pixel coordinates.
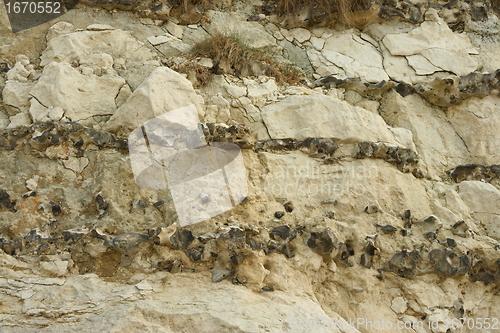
(483, 199)
(323, 116)
(63, 86)
(437, 141)
(130, 56)
(373, 182)
(433, 47)
(478, 113)
(164, 90)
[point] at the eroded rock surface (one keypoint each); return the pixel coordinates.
(372, 181)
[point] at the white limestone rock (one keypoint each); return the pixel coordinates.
(38, 112)
(72, 47)
(458, 62)
(76, 164)
(194, 34)
(474, 114)
(174, 29)
(4, 119)
(132, 58)
(16, 96)
(356, 56)
(300, 117)
(422, 65)
(437, 143)
(99, 62)
(80, 96)
(235, 91)
(60, 28)
(169, 45)
(184, 303)
(32, 183)
(301, 35)
(404, 136)
(99, 27)
(157, 40)
(55, 268)
(206, 62)
(123, 95)
(287, 34)
(484, 200)
(258, 94)
(232, 24)
(322, 66)
(399, 305)
(398, 68)
(55, 113)
(163, 91)
(18, 73)
(317, 43)
(20, 119)
(438, 44)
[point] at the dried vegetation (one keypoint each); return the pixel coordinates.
(231, 56)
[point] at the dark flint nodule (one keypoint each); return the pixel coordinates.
(55, 208)
(29, 194)
(404, 263)
(482, 276)
(345, 251)
(448, 262)
(366, 258)
(181, 239)
(389, 229)
(102, 204)
(128, 240)
(172, 266)
(323, 242)
(404, 89)
(451, 242)
(5, 202)
(279, 214)
(195, 253)
(159, 203)
(283, 232)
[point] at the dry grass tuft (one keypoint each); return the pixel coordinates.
(232, 56)
(342, 8)
(184, 6)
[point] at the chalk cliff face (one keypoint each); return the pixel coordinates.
(369, 199)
